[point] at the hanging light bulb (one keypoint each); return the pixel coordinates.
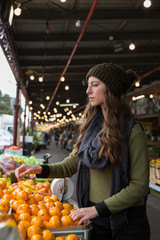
(147, 3)
(132, 46)
(66, 87)
(63, 1)
(57, 103)
(137, 83)
(48, 97)
(18, 10)
(30, 102)
(32, 77)
(62, 79)
(48, 30)
(78, 23)
(67, 101)
(40, 79)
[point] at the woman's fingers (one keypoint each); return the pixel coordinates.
(84, 214)
(25, 169)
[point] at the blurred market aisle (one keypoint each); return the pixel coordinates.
(153, 202)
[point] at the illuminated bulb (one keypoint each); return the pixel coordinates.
(30, 102)
(39, 112)
(63, 1)
(32, 77)
(40, 79)
(132, 46)
(67, 101)
(147, 3)
(74, 106)
(57, 103)
(78, 23)
(47, 98)
(80, 114)
(133, 98)
(49, 113)
(137, 84)
(66, 88)
(18, 10)
(31, 108)
(62, 79)
(44, 113)
(151, 95)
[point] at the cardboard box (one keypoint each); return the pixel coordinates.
(83, 231)
(152, 174)
(157, 172)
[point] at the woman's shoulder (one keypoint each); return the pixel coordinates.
(136, 130)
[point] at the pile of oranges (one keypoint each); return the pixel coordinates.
(34, 212)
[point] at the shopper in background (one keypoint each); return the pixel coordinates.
(111, 159)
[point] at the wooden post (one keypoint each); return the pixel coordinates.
(24, 126)
(16, 110)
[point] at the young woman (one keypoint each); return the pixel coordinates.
(111, 159)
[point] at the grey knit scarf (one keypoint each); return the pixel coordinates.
(88, 158)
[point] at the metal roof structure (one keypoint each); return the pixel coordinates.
(44, 36)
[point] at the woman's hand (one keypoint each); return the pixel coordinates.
(25, 169)
(84, 214)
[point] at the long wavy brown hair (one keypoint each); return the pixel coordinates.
(115, 112)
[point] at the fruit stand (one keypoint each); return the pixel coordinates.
(31, 211)
(155, 174)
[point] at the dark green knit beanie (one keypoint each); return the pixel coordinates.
(114, 76)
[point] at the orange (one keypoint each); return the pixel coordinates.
(59, 238)
(72, 237)
(76, 222)
(34, 209)
(23, 231)
(55, 211)
(72, 210)
(49, 204)
(24, 217)
(38, 197)
(54, 198)
(24, 223)
(17, 203)
(43, 190)
(28, 190)
(4, 209)
(7, 197)
(37, 221)
(15, 216)
(42, 206)
(31, 200)
(59, 205)
(46, 224)
(47, 185)
(36, 237)
(67, 206)
(67, 221)
(1, 193)
(44, 214)
(32, 230)
(7, 191)
(65, 212)
(3, 184)
(22, 195)
(48, 199)
(23, 208)
(55, 221)
(48, 235)
(5, 202)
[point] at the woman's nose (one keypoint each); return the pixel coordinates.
(88, 90)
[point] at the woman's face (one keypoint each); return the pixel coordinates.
(96, 91)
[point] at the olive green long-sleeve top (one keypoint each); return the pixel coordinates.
(100, 180)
